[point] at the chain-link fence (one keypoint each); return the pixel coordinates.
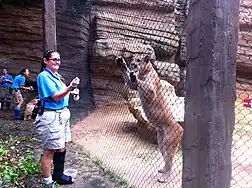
(125, 130)
(241, 150)
(135, 131)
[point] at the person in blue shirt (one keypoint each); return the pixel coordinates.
(5, 79)
(17, 86)
(5, 82)
(52, 122)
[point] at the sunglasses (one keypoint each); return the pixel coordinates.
(55, 59)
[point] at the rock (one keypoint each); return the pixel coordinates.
(21, 38)
(140, 26)
(168, 71)
(119, 26)
(112, 47)
(159, 5)
(244, 53)
(29, 108)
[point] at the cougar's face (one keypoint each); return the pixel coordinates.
(137, 64)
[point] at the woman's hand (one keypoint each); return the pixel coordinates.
(75, 82)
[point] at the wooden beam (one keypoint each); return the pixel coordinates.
(212, 37)
(49, 25)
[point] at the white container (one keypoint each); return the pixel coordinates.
(76, 94)
(76, 97)
(71, 172)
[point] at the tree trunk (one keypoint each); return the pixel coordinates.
(210, 87)
(49, 25)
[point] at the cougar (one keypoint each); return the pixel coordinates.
(141, 76)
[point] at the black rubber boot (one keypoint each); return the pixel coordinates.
(58, 175)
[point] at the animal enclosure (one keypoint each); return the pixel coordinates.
(118, 131)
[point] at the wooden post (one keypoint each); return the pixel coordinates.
(212, 37)
(49, 25)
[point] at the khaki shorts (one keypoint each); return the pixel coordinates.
(53, 128)
(19, 97)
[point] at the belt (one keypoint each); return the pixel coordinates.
(55, 110)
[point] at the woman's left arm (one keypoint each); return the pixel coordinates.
(59, 95)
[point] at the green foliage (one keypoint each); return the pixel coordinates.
(15, 165)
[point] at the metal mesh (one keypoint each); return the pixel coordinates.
(125, 140)
(241, 153)
(122, 130)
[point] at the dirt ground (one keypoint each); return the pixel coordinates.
(91, 173)
(110, 133)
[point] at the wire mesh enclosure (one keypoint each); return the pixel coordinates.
(135, 130)
(241, 150)
(138, 73)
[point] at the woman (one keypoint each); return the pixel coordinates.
(18, 85)
(52, 122)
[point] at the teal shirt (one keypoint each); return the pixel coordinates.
(18, 81)
(48, 85)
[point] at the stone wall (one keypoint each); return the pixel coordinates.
(21, 37)
(73, 41)
(123, 28)
(244, 54)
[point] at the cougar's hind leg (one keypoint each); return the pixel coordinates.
(160, 136)
(171, 141)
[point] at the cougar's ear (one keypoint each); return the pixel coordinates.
(148, 59)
